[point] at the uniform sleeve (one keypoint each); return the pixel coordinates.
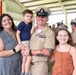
(20, 26)
(50, 40)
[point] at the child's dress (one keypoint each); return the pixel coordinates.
(63, 63)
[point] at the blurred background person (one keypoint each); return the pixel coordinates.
(73, 26)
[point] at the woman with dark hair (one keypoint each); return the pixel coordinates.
(13, 25)
(10, 58)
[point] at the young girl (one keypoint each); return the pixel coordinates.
(64, 54)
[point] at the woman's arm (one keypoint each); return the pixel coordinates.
(5, 53)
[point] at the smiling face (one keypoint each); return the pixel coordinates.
(28, 18)
(62, 37)
(41, 20)
(6, 22)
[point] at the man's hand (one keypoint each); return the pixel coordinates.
(46, 52)
(25, 51)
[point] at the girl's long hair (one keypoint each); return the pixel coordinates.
(70, 41)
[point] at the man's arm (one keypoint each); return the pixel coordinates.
(45, 52)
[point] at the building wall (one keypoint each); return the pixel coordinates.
(12, 8)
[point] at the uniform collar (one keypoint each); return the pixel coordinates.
(43, 30)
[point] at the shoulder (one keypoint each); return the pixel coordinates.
(72, 50)
(1, 33)
(21, 23)
(49, 31)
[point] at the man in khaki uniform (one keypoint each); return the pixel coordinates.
(73, 25)
(42, 43)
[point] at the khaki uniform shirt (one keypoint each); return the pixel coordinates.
(74, 36)
(44, 39)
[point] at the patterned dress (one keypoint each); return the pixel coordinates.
(9, 65)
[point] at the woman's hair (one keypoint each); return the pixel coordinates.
(1, 17)
(70, 41)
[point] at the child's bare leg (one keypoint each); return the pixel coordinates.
(22, 73)
(27, 66)
(23, 64)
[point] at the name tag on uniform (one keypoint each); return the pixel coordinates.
(42, 36)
